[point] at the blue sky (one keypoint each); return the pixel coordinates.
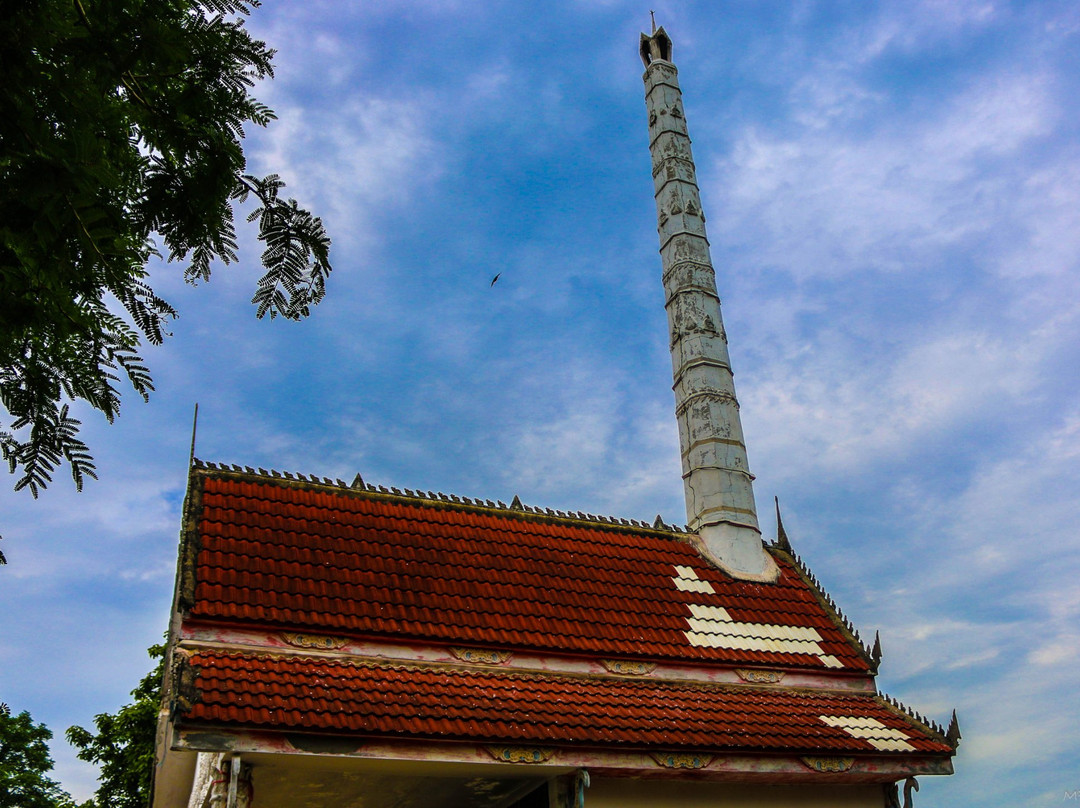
(893, 193)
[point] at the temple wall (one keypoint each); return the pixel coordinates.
(660, 793)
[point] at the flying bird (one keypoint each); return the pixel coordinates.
(497, 275)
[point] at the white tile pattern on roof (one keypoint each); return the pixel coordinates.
(687, 580)
(879, 736)
(711, 626)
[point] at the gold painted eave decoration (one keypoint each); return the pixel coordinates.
(760, 677)
(828, 764)
(625, 667)
(482, 656)
(521, 754)
(681, 760)
(315, 641)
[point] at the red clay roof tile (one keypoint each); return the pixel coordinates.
(289, 693)
(291, 556)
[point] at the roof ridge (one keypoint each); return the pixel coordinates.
(516, 509)
(909, 712)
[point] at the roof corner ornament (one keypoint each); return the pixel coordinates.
(782, 540)
(194, 424)
(358, 482)
(892, 795)
(952, 734)
(717, 481)
(581, 782)
(658, 523)
(516, 504)
(875, 652)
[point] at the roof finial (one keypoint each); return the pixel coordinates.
(952, 734)
(194, 424)
(781, 535)
(652, 16)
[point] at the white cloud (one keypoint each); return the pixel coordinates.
(831, 201)
(351, 163)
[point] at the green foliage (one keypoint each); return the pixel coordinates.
(120, 138)
(24, 764)
(123, 744)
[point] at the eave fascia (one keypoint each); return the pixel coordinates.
(726, 767)
(195, 635)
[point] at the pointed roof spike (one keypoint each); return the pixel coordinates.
(658, 523)
(516, 504)
(194, 425)
(875, 652)
(782, 540)
(358, 482)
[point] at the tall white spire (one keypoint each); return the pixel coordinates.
(716, 476)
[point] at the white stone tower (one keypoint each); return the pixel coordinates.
(716, 476)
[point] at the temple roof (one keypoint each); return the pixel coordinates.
(291, 554)
(315, 607)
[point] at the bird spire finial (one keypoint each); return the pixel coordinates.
(952, 734)
(781, 534)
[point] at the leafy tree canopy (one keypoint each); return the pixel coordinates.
(25, 764)
(123, 744)
(120, 138)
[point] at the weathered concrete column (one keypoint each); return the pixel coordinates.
(716, 476)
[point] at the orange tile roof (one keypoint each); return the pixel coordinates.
(281, 554)
(296, 693)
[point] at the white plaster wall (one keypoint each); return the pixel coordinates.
(660, 794)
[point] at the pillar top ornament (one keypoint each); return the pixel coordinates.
(655, 46)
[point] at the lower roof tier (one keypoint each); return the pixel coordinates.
(297, 693)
